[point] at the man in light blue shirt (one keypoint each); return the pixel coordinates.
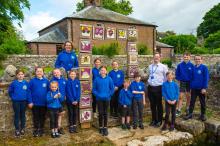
(157, 75)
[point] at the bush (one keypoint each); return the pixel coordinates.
(168, 62)
(216, 51)
(200, 50)
(143, 49)
(108, 50)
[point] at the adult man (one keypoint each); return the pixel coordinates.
(157, 75)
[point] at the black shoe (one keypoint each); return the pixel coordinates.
(17, 133)
(152, 123)
(75, 129)
(187, 117)
(202, 118)
(57, 134)
(101, 131)
(134, 126)
(123, 126)
(158, 124)
(141, 126)
(61, 131)
(172, 128)
(53, 135)
(22, 131)
(35, 133)
(105, 132)
(71, 130)
(164, 128)
(40, 132)
(128, 126)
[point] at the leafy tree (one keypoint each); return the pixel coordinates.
(122, 6)
(211, 22)
(181, 43)
(213, 41)
(161, 35)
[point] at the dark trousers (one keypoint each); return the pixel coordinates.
(114, 102)
(103, 113)
(54, 113)
(39, 113)
(155, 97)
(125, 111)
(19, 108)
(73, 113)
(138, 107)
(170, 108)
(194, 94)
(94, 103)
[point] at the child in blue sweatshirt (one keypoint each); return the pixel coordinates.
(19, 92)
(199, 85)
(73, 93)
(103, 89)
(38, 86)
(95, 74)
(184, 75)
(118, 79)
(57, 76)
(170, 92)
(125, 99)
(137, 88)
(54, 99)
(67, 59)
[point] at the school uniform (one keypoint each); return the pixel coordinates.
(137, 102)
(125, 99)
(53, 105)
(118, 79)
(18, 92)
(95, 74)
(73, 92)
(67, 60)
(170, 91)
(38, 97)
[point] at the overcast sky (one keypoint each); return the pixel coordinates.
(181, 16)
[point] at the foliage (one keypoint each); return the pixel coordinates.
(213, 41)
(168, 62)
(216, 51)
(108, 50)
(200, 50)
(181, 43)
(122, 6)
(143, 49)
(211, 22)
(161, 35)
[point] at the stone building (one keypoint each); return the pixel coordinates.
(93, 15)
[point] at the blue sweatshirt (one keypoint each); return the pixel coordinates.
(170, 91)
(117, 77)
(62, 86)
(38, 89)
(137, 86)
(67, 60)
(53, 103)
(73, 90)
(200, 77)
(125, 97)
(103, 88)
(95, 73)
(184, 71)
(19, 91)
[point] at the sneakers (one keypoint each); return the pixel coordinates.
(134, 126)
(128, 126)
(187, 117)
(17, 133)
(101, 130)
(123, 126)
(75, 129)
(35, 133)
(141, 126)
(152, 123)
(105, 132)
(22, 131)
(72, 129)
(178, 113)
(57, 134)
(53, 135)
(187, 111)
(164, 128)
(61, 131)
(40, 132)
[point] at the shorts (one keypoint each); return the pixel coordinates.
(184, 86)
(62, 108)
(125, 111)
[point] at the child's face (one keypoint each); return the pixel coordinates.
(126, 84)
(72, 75)
(169, 77)
(103, 72)
(57, 73)
(186, 58)
(54, 87)
(39, 72)
(68, 47)
(20, 76)
(137, 79)
(115, 65)
(97, 63)
(198, 60)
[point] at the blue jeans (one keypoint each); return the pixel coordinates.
(19, 108)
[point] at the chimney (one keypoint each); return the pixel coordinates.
(96, 3)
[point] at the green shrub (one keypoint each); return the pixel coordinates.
(168, 62)
(216, 51)
(108, 50)
(200, 50)
(2, 57)
(143, 49)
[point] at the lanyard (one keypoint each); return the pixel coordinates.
(153, 71)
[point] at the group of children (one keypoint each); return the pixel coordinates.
(123, 96)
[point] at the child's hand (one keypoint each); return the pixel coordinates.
(124, 106)
(170, 102)
(30, 105)
(116, 88)
(203, 91)
(57, 95)
(74, 103)
(174, 101)
(144, 103)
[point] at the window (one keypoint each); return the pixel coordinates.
(59, 48)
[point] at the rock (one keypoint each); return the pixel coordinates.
(212, 126)
(179, 138)
(117, 133)
(9, 73)
(192, 126)
(135, 142)
(112, 122)
(155, 140)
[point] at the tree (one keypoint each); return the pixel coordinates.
(213, 41)
(181, 43)
(161, 35)
(122, 6)
(211, 22)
